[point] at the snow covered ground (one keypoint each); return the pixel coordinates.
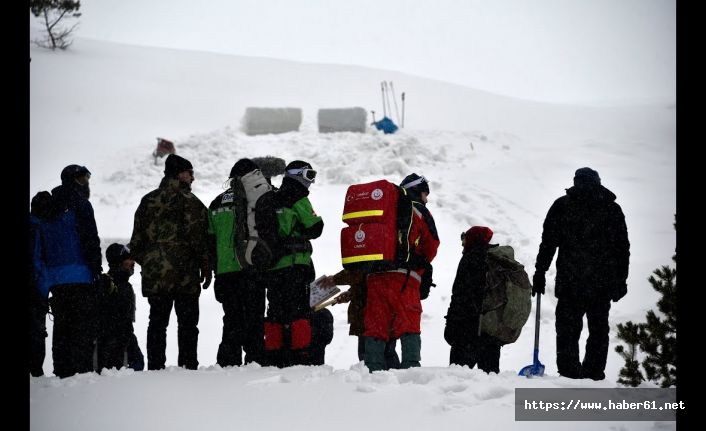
(491, 160)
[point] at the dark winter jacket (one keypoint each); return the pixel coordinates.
(358, 292)
(169, 240)
(117, 305)
(588, 227)
(464, 311)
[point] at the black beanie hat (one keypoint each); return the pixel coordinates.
(419, 187)
(174, 165)
(242, 167)
(297, 164)
(116, 253)
(586, 176)
(72, 172)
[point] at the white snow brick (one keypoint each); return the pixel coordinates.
(260, 121)
(342, 120)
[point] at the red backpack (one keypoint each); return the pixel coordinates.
(379, 218)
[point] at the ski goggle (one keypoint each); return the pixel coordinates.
(463, 236)
(414, 183)
(306, 173)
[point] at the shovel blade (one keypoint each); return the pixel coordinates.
(536, 369)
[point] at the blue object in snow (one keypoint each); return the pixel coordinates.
(386, 125)
(536, 368)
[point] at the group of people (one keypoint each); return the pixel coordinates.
(180, 243)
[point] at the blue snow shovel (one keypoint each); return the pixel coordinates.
(537, 368)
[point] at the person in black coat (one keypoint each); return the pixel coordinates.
(117, 345)
(588, 227)
(71, 256)
(40, 210)
(468, 346)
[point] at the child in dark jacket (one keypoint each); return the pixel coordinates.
(468, 346)
(117, 345)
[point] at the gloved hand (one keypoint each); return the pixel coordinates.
(620, 290)
(206, 274)
(539, 282)
(343, 297)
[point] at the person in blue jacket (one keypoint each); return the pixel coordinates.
(71, 258)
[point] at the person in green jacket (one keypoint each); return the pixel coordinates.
(237, 286)
(288, 321)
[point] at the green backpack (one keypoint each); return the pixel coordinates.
(507, 301)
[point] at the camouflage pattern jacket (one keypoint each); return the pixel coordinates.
(169, 240)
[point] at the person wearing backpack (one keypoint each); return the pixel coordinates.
(71, 259)
(469, 346)
(393, 297)
(237, 287)
(588, 227)
(288, 322)
(170, 242)
(116, 307)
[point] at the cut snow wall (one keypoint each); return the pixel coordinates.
(259, 121)
(342, 120)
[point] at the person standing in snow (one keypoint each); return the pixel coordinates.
(237, 287)
(588, 227)
(38, 285)
(356, 297)
(70, 255)
(393, 300)
(169, 241)
(288, 322)
(468, 346)
(117, 312)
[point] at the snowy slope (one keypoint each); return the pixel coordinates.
(491, 160)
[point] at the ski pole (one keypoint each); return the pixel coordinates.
(394, 98)
(387, 98)
(402, 122)
(382, 88)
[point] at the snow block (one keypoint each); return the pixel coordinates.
(260, 121)
(342, 120)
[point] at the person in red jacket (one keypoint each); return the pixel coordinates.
(393, 303)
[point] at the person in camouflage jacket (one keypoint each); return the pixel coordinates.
(169, 241)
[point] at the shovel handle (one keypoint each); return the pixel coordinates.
(536, 325)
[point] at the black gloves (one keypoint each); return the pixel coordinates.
(426, 283)
(538, 283)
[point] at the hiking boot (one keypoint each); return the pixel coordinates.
(374, 354)
(411, 350)
(593, 375)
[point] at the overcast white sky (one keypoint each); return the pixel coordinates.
(549, 50)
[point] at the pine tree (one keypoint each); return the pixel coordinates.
(55, 13)
(656, 338)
